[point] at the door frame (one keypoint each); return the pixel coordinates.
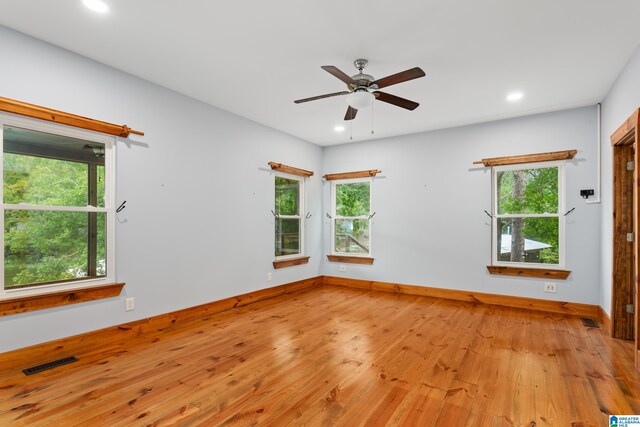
(626, 259)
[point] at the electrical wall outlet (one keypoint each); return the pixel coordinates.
(129, 304)
(269, 276)
(550, 287)
(343, 268)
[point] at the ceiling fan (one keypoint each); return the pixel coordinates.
(363, 88)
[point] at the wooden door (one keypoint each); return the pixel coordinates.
(623, 280)
(625, 319)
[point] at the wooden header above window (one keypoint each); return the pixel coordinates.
(43, 113)
(290, 169)
(528, 158)
(351, 175)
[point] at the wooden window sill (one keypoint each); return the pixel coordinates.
(55, 299)
(543, 273)
(350, 259)
(290, 262)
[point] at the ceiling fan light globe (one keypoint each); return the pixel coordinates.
(360, 99)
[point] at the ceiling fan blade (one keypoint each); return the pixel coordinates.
(351, 113)
(396, 100)
(403, 76)
(328, 95)
(341, 75)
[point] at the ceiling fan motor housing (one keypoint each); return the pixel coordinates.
(363, 80)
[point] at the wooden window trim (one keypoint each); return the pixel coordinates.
(290, 262)
(50, 115)
(543, 273)
(350, 259)
(527, 158)
(24, 304)
(290, 169)
(350, 175)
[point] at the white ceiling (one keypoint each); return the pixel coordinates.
(254, 58)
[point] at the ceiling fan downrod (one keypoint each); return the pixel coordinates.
(360, 64)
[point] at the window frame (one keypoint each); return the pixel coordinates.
(335, 217)
(109, 142)
(300, 216)
(560, 214)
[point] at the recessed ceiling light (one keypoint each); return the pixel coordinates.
(515, 96)
(339, 128)
(96, 5)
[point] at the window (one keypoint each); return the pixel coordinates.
(351, 225)
(289, 205)
(57, 207)
(528, 223)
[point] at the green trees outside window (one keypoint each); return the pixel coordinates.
(351, 221)
(52, 241)
(528, 216)
(288, 201)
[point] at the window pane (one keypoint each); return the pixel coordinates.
(352, 199)
(101, 244)
(47, 246)
(528, 191)
(49, 170)
(287, 236)
(287, 196)
(100, 186)
(352, 235)
(533, 240)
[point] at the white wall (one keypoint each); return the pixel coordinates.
(197, 226)
(622, 100)
(430, 228)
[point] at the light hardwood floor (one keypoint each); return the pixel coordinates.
(339, 356)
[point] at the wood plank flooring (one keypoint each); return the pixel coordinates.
(349, 357)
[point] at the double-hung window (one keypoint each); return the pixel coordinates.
(351, 223)
(57, 208)
(528, 225)
(289, 205)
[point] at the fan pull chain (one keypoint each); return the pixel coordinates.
(372, 114)
(351, 130)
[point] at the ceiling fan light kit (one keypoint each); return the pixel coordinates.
(363, 88)
(360, 99)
